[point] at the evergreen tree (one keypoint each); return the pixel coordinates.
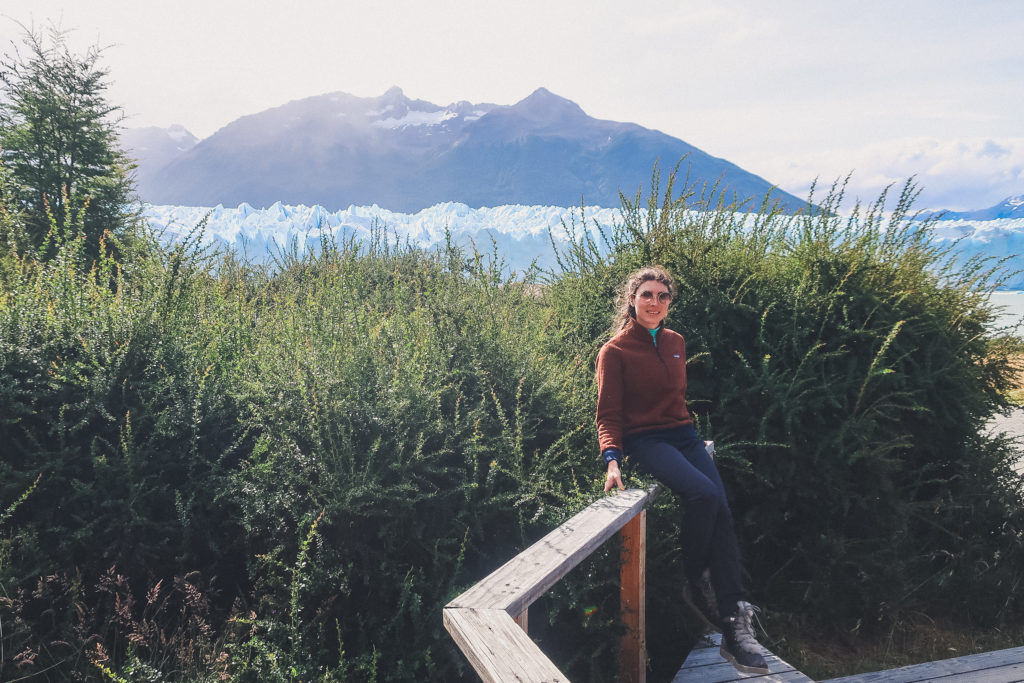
(58, 138)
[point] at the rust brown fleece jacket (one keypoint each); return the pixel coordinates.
(640, 386)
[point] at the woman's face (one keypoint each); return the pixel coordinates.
(651, 303)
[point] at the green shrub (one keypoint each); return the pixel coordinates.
(194, 416)
(111, 400)
(217, 470)
(404, 394)
(842, 367)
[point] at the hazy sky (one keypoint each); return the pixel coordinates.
(790, 89)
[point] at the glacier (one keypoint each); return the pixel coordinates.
(520, 235)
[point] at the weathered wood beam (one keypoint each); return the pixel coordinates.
(514, 586)
(498, 648)
(633, 599)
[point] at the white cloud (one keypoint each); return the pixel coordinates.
(957, 174)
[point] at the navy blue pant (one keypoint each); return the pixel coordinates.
(678, 459)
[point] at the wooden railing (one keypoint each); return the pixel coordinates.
(489, 621)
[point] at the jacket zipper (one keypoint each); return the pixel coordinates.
(657, 350)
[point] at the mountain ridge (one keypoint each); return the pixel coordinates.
(1011, 207)
(338, 150)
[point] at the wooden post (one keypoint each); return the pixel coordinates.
(524, 621)
(633, 596)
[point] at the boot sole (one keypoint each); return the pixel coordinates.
(762, 670)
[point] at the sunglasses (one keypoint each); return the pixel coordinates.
(648, 296)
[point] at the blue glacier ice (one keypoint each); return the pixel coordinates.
(519, 233)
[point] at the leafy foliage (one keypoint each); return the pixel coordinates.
(842, 366)
(216, 471)
(372, 411)
(58, 138)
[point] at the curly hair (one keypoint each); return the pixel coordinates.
(624, 309)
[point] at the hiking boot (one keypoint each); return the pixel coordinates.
(739, 645)
(699, 595)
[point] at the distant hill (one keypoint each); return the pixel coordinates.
(153, 148)
(338, 150)
(1011, 207)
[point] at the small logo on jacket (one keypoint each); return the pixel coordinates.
(675, 355)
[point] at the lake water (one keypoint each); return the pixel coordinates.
(1012, 304)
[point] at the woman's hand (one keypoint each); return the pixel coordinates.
(614, 477)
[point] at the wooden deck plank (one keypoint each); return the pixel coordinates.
(517, 659)
(998, 665)
(1012, 673)
(727, 673)
(520, 581)
(706, 665)
(724, 672)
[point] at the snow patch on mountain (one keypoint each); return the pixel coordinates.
(378, 112)
(179, 134)
(416, 118)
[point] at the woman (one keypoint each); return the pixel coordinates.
(641, 412)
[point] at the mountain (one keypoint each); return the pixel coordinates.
(338, 150)
(153, 148)
(1011, 207)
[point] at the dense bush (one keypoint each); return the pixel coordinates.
(327, 454)
(215, 471)
(112, 402)
(402, 396)
(842, 366)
